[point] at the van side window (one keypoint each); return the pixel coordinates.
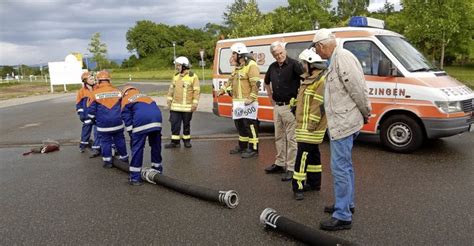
(368, 54)
(293, 50)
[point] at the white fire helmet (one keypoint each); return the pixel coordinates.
(183, 61)
(309, 56)
(239, 48)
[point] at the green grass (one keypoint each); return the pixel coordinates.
(12, 89)
(164, 74)
(464, 74)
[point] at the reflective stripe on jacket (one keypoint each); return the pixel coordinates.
(184, 92)
(140, 113)
(310, 117)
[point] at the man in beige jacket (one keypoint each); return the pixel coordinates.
(347, 108)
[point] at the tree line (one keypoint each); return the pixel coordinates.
(440, 29)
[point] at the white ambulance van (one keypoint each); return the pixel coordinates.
(411, 99)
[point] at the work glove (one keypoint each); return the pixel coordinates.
(220, 93)
(194, 107)
(293, 106)
(248, 101)
(168, 103)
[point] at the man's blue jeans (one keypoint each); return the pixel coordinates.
(343, 176)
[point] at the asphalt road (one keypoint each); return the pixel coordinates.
(424, 198)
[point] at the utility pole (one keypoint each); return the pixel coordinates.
(201, 53)
(174, 51)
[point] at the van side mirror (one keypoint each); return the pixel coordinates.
(385, 67)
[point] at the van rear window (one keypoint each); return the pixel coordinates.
(261, 54)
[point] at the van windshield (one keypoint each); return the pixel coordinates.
(410, 57)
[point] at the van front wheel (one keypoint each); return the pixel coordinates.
(401, 133)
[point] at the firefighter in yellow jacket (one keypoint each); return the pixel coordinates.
(311, 125)
(183, 98)
(243, 87)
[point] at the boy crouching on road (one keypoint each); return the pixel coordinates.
(142, 119)
(310, 125)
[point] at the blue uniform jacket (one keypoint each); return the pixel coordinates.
(104, 107)
(82, 98)
(140, 113)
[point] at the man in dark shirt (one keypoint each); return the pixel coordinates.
(282, 81)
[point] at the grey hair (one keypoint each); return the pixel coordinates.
(276, 44)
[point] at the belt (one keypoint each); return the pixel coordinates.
(282, 103)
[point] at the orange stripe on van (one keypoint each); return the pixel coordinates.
(351, 34)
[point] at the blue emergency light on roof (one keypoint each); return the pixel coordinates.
(361, 21)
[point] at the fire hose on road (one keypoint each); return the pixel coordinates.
(228, 198)
(305, 234)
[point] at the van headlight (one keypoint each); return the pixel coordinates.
(449, 107)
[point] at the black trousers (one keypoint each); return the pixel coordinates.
(307, 167)
(176, 119)
(248, 133)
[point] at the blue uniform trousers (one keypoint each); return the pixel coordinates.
(86, 133)
(137, 146)
(87, 128)
(109, 138)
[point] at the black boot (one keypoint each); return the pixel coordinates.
(236, 150)
(248, 153)
(172, 145)
(187, 144)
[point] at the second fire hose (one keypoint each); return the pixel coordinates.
(305, 234)
(228, 198)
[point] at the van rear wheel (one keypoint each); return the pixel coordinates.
(401, 133)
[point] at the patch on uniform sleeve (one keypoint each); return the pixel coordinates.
(135, 97)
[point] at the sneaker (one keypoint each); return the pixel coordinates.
(135, 182)
(287, 176)
(82, 150)
(330, 209)
(94, 154)
(334, 224)
(275, 169)
(172, 145)
(298, 196)
(249, 154)
(187, 144)
(236, 150)
(107, 165)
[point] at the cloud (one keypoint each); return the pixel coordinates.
(47, 30)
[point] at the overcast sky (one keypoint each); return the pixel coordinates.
(39, 31)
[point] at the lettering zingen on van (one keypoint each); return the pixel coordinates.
(412, 100)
